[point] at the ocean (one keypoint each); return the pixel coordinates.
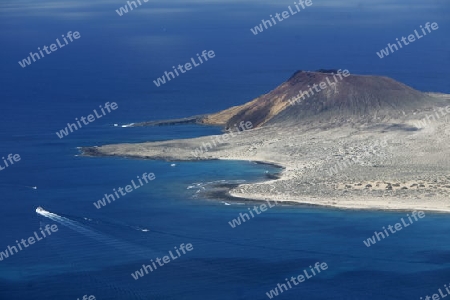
(95, 251)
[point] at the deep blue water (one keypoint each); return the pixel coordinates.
(116, 59)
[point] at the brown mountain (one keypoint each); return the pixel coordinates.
(343, 99)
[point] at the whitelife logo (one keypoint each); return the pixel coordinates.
(85, 297)
(432, 118)
(124, 10)
(161, 262)
(128, 189)
(188, 66)
(90, 118)
(411, 38)
(322, 85)
(263, 207)
(223, 138)
(31, 240)
(11, 158)
(398, 227)
(438, 296)
(296, 281)
(27, 61)
(280, 17)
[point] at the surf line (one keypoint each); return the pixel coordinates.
(49, 229)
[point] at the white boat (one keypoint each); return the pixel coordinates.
(39, 209)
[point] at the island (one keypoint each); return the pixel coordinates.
(349, 142)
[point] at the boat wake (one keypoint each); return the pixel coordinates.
(88, 232)
(18, 186)
(78, 227)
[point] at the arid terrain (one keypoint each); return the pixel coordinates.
(367, 142)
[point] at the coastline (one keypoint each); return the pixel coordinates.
(366, 204)
(350, 166)
(233, 193)
(354, 205)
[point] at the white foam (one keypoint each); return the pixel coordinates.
(103, 238)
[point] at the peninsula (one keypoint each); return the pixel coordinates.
(367, 142)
